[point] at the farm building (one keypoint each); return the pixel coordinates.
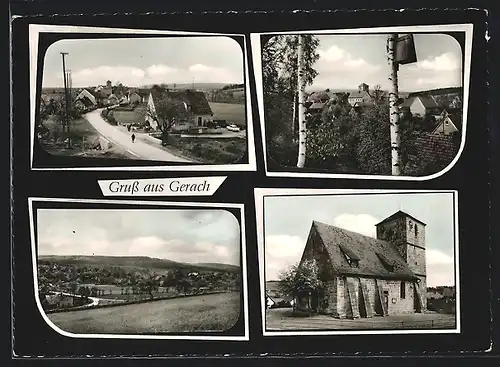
(134, 98)
(194, 102)
(366, 276)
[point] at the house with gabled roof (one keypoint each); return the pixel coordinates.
(195, 102)
(366, 276)
(422, 105)
(448, 123)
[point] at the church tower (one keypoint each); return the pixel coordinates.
(408, 235)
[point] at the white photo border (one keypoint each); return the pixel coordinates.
(256, 47)
(261, 193)
(36, 29)
(243, 250)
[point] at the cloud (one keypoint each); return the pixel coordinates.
(160, 70)
(156, 73)
(444, 62)
(141, 245)
(282, 251)
(359, 223)
(336, 59)
(440, 268)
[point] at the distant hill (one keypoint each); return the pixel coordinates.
(439, 91)
(197, 86)
(135, 262)
(402, 94)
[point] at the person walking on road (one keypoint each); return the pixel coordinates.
(133, 138)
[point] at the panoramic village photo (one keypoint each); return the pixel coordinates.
(371, 104)
(139, 271)
(360, 262)
(167, 99)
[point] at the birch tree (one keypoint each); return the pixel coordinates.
(393, 107)
(301, 108)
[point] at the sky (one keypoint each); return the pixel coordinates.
(142, 61)
(187, 235)
(287, 221)
(345, 61)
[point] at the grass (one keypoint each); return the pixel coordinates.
(130, 117)
(209, 150)
(84, 141)
(231, 112)
(284, 319)
(214, 312)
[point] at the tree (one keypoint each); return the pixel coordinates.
(378, 94)
(301, 160)
(184, 285)
(73, 287)
(304, 277)
(394, 109)
(166, 112)
(280, 79)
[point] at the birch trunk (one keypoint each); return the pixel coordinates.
(294, 113)
(393, 107)
(302, 116)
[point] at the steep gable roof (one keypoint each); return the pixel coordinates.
(369, 250)
(196, 99)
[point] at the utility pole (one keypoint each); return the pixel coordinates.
(66, 95)
(393, 105)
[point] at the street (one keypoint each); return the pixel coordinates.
(139, 148)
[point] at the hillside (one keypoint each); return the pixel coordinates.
(197, 86)
(134, 261)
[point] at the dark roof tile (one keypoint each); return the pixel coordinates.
(364, 247)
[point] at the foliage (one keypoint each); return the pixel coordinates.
(302, 277)
(166, 112)
(279, 68)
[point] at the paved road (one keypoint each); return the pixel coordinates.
(139, 148)
(95, 300)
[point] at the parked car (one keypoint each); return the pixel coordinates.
(233, 127)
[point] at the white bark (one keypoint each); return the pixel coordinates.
(393, 107)
(302, 113)
(294, 113)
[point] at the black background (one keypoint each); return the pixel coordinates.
(471, 176)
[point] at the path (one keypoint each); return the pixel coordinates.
(95, 300)
(121, 138)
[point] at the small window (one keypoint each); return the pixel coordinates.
(403, 290)
(386, 263)
(416, 231)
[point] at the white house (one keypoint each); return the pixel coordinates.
(85, 94)
(448, 123)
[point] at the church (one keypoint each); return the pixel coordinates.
(365, 276)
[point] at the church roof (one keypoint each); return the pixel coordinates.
(400, 214)
(373, 257)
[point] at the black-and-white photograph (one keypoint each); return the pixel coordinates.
(379, 104)
(140, 271)
(367, 262)
(176, 100)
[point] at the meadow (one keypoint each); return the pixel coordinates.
(233, 113)
(213, 312)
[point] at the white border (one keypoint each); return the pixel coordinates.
(34, 32)
(244, 337)
(260, 214)
(255, 41)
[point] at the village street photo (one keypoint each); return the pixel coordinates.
(177, 100)
(381, 104)
(359, 263)
(139, 271)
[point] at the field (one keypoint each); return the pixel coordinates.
(113, 292)
(231, 112)
(84, 140)
(130, 117)
(209, 150)
(214, 312)
(282, 319)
